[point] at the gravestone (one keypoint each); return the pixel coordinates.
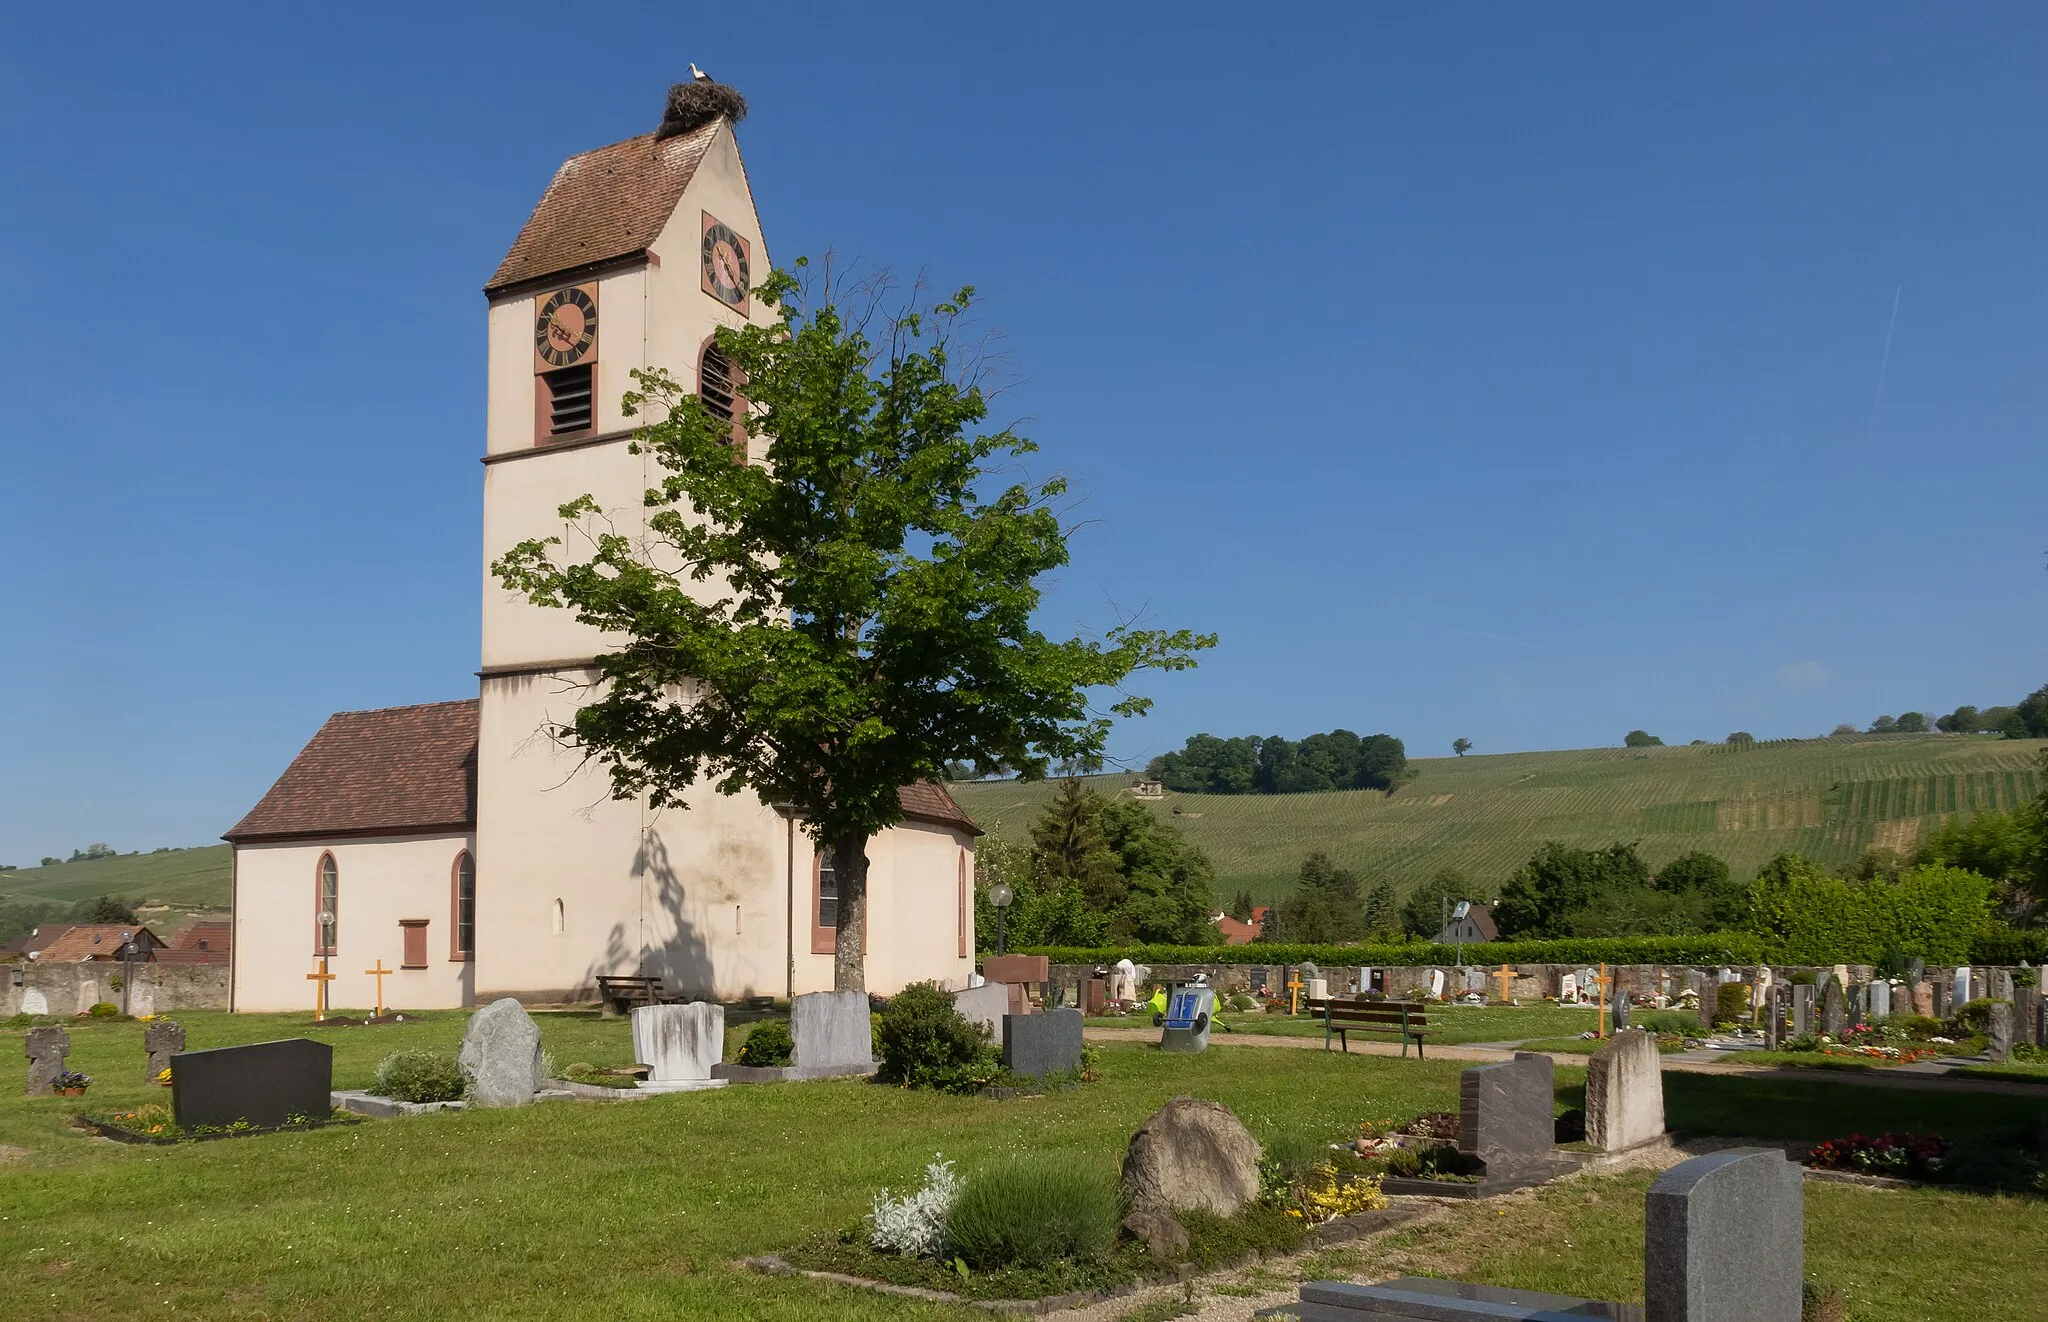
(1192, 1155)
(501, 1055)
(1040, 1044)
(1880, 1000)
(1832, 1018)
(1095, 996)
(1568, 989)
(46, 1049)
(265, 1084)
(1436, 982)
(1019, 973)
(1258, 978)
(985, 1005)
(832, 1031)
(1507, 1115)
(162, 1040)
(1774, 1017)
(1709, 991)
(679, 1044)
(2001, 984)
(1802, 1010)
(1724, 1239)
(1959, 988)
(1621, 1008)
(1999, 1034)
(33, 1001)
(2026, 1015)
(1624, 1093)
(1943, 990)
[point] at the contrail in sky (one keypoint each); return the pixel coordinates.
(1887, 361)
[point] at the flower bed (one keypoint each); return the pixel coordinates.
(154, 1124)
(1997, 1160)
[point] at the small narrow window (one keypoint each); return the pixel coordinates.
(824, 905)
(415, 930)
(568, 400)
(561, 918)
(966, 910)
(464, 933)
(327, 905)
(718, 384)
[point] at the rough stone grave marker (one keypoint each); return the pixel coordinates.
(46, 1049)
(680, 1045)
(162, 1040)
(501, 1055)
(1833, 1018)
(1943, 989)
(1724, 1239)
(1624, 1093)
(2025, 1015)
(1774, 1017)
(1999, 1033)
(1802, 1010)
(1040, 1044)
(832, 1032)
(1709, 991)
(266, 1084)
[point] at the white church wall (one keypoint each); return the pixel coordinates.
(382, 880)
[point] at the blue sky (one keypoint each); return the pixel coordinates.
(1499, 371)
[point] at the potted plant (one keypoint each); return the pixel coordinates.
(71, 1083)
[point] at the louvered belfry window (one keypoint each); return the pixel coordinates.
(569, 396)
(715, 383)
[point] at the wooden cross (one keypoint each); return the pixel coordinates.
(1294, 991)
(320, 981)
(1507, 979)
(379, 973)
(1603, 981)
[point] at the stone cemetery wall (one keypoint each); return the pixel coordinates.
(31, 987)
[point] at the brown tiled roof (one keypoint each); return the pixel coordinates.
(94, 941)
(927, 801)
(604, 205)
(396, 770)
(213, 936)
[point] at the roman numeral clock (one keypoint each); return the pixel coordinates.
(724, 264)
(565, 328)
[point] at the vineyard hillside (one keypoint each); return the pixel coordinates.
(1827, 798)
(185, 879)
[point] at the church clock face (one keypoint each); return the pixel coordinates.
(565, 328)
(725, 254)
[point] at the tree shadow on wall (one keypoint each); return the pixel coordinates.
(683, 959)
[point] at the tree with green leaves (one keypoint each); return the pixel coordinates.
(1564, 890)
(1424, 911)
(1461, 746)
(1242, 906)
(1911, 722)
(1641, 739)
(1382, 911)
(848, 617)
(1741, 739)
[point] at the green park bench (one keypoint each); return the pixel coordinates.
(1406, 1020)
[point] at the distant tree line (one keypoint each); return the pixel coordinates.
(18, 916)
(1339, 760)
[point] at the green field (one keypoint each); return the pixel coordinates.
(188, 879)
(1483, 815)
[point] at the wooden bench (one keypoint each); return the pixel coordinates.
(1406, 1020)
(620, 994)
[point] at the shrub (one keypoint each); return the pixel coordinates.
(768, 1045)
(915, 1226)
(105, 1010)
(421, 1076)
(1731, 1004)
(1031, 1211)
(1970, 1018)
(1665, 1021)
(926, 1043)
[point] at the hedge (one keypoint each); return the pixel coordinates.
(1712, 948)
(2007, 945)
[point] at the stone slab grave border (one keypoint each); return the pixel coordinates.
(1506, 1119)
(1342, 1230)
(108, 1129)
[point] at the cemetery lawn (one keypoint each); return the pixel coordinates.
(1450, 1025)
(639, 1209)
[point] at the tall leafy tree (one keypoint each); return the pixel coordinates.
(1461, 746)
(1641, 739)
(1423, 912)
(1382, 910)
(850, 616)
(1561, 890)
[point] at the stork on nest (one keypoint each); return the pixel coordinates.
(696, 103)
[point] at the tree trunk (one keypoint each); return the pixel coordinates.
(850, 869)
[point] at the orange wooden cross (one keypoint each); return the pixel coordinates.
(379, 974)
(320, 981)
(1507, 979)
(1603, 981)
(1294, 991)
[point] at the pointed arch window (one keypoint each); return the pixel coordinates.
(463, 920)
(326, 900)
(719, 382)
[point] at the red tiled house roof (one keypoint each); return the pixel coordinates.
(604, 206)
(201, 943)
(96, 941)
(412, 770)
(395, 771)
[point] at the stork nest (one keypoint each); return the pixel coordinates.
(692, 105)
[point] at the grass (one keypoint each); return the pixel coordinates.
(1449, 1025)
(185, 879)
(638, 1210)
(1483, 815)
(2012, 1071)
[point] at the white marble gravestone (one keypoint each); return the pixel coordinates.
(1960, 989)
(1568, 989)
(34, 1002)
(679, 1044)
(1880, 996)
(1436, 982)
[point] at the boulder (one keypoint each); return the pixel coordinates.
(501, 1055)
(1192, 1155)
(1155, 1228)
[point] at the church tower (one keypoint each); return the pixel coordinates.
(634, 256)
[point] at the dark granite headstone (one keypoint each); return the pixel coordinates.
(1040, 1044)
(1724, 1239)
(1507, 1114)
(1620, 1011)
(46, 1049)
(265, 1084)
(1943, 991)
(1833, 1015)
(162, 1040)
